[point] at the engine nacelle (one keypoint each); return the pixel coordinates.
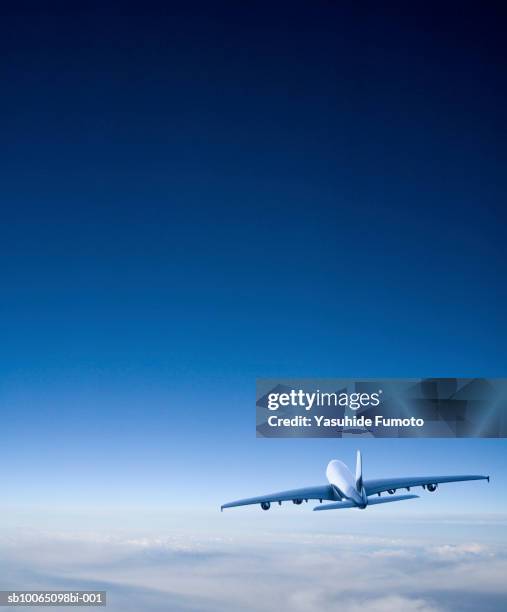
(432, 487)
(391, 491)
(297, 501)
(265, 505)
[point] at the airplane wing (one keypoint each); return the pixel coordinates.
(323, 492)
(384, 484)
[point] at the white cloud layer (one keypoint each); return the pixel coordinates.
(299, 572)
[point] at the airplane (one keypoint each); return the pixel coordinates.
(347, 491)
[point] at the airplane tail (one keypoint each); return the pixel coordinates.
(359, 472)
(371, 502)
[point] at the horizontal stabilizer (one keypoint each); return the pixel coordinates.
(337, 506)
(371, 502)
(391, 498)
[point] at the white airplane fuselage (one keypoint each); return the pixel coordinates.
(339, 476)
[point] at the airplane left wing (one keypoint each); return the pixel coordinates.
(323, 492)
(385, 484)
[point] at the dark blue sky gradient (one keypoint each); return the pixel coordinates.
(196, 196)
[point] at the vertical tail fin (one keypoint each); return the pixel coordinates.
(359, 472)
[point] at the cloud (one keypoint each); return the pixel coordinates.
(392, 553)
(303, 572)
(393, 603)
(460, 551)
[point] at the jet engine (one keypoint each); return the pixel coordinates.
(391, 491)
(297, 501)
(432, 487)
(265, 505)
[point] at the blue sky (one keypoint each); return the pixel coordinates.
(196, 197)
(179, 220)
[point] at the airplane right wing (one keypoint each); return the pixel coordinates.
(384, 484)
(324, 492)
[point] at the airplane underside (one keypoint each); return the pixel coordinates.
(346, 490)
